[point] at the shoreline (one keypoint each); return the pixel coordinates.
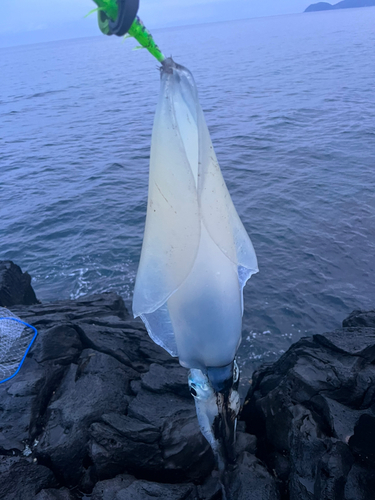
(99, 411)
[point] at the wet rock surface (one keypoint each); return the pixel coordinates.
(21, 479)
(99, 411)
(15, 286)
(313, 412)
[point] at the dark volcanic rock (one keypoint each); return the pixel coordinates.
(251, 481)
(121, 443)
(15, 286)
(361, 319)
(22, 404)
(54, 494)
(96, 398)
(313, 412)
(144, 490)
(23, 400)
(96, 384)
(125, 487)
(108, 489)
(210, 489)
(161, 379)
(98, 407)
(22, 480)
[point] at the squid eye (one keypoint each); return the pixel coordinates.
(193, 392)
(199, 386)
(203, 393)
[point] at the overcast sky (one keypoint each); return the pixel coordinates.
(30, 21)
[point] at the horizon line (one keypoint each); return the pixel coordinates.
(156, 28)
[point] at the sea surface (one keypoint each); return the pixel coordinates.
(290, 104)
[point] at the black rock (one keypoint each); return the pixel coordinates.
(96, 398)
(161, 379)
(108, 489)
(21, 479)
(15, 286)
(97, 384)
(360, 484)
(60, 344)
(144, 490)
(98, 407)
(119, 443)
(211, 488)
(313, 413)
(362, 442)
(22, 404)
(360, 319)
(125, 487)
(54, 494)
(252, 481)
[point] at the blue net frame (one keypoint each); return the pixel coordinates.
(28, 345)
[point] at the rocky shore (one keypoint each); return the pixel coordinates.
(99, 411)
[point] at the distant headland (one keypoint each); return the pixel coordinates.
(345, 4)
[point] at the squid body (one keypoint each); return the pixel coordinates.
(196, 255)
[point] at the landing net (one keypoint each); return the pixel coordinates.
(16, 339)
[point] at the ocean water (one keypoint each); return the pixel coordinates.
(290, 105)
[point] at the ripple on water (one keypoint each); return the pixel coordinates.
(291, 119)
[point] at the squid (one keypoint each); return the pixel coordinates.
(196, 259)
